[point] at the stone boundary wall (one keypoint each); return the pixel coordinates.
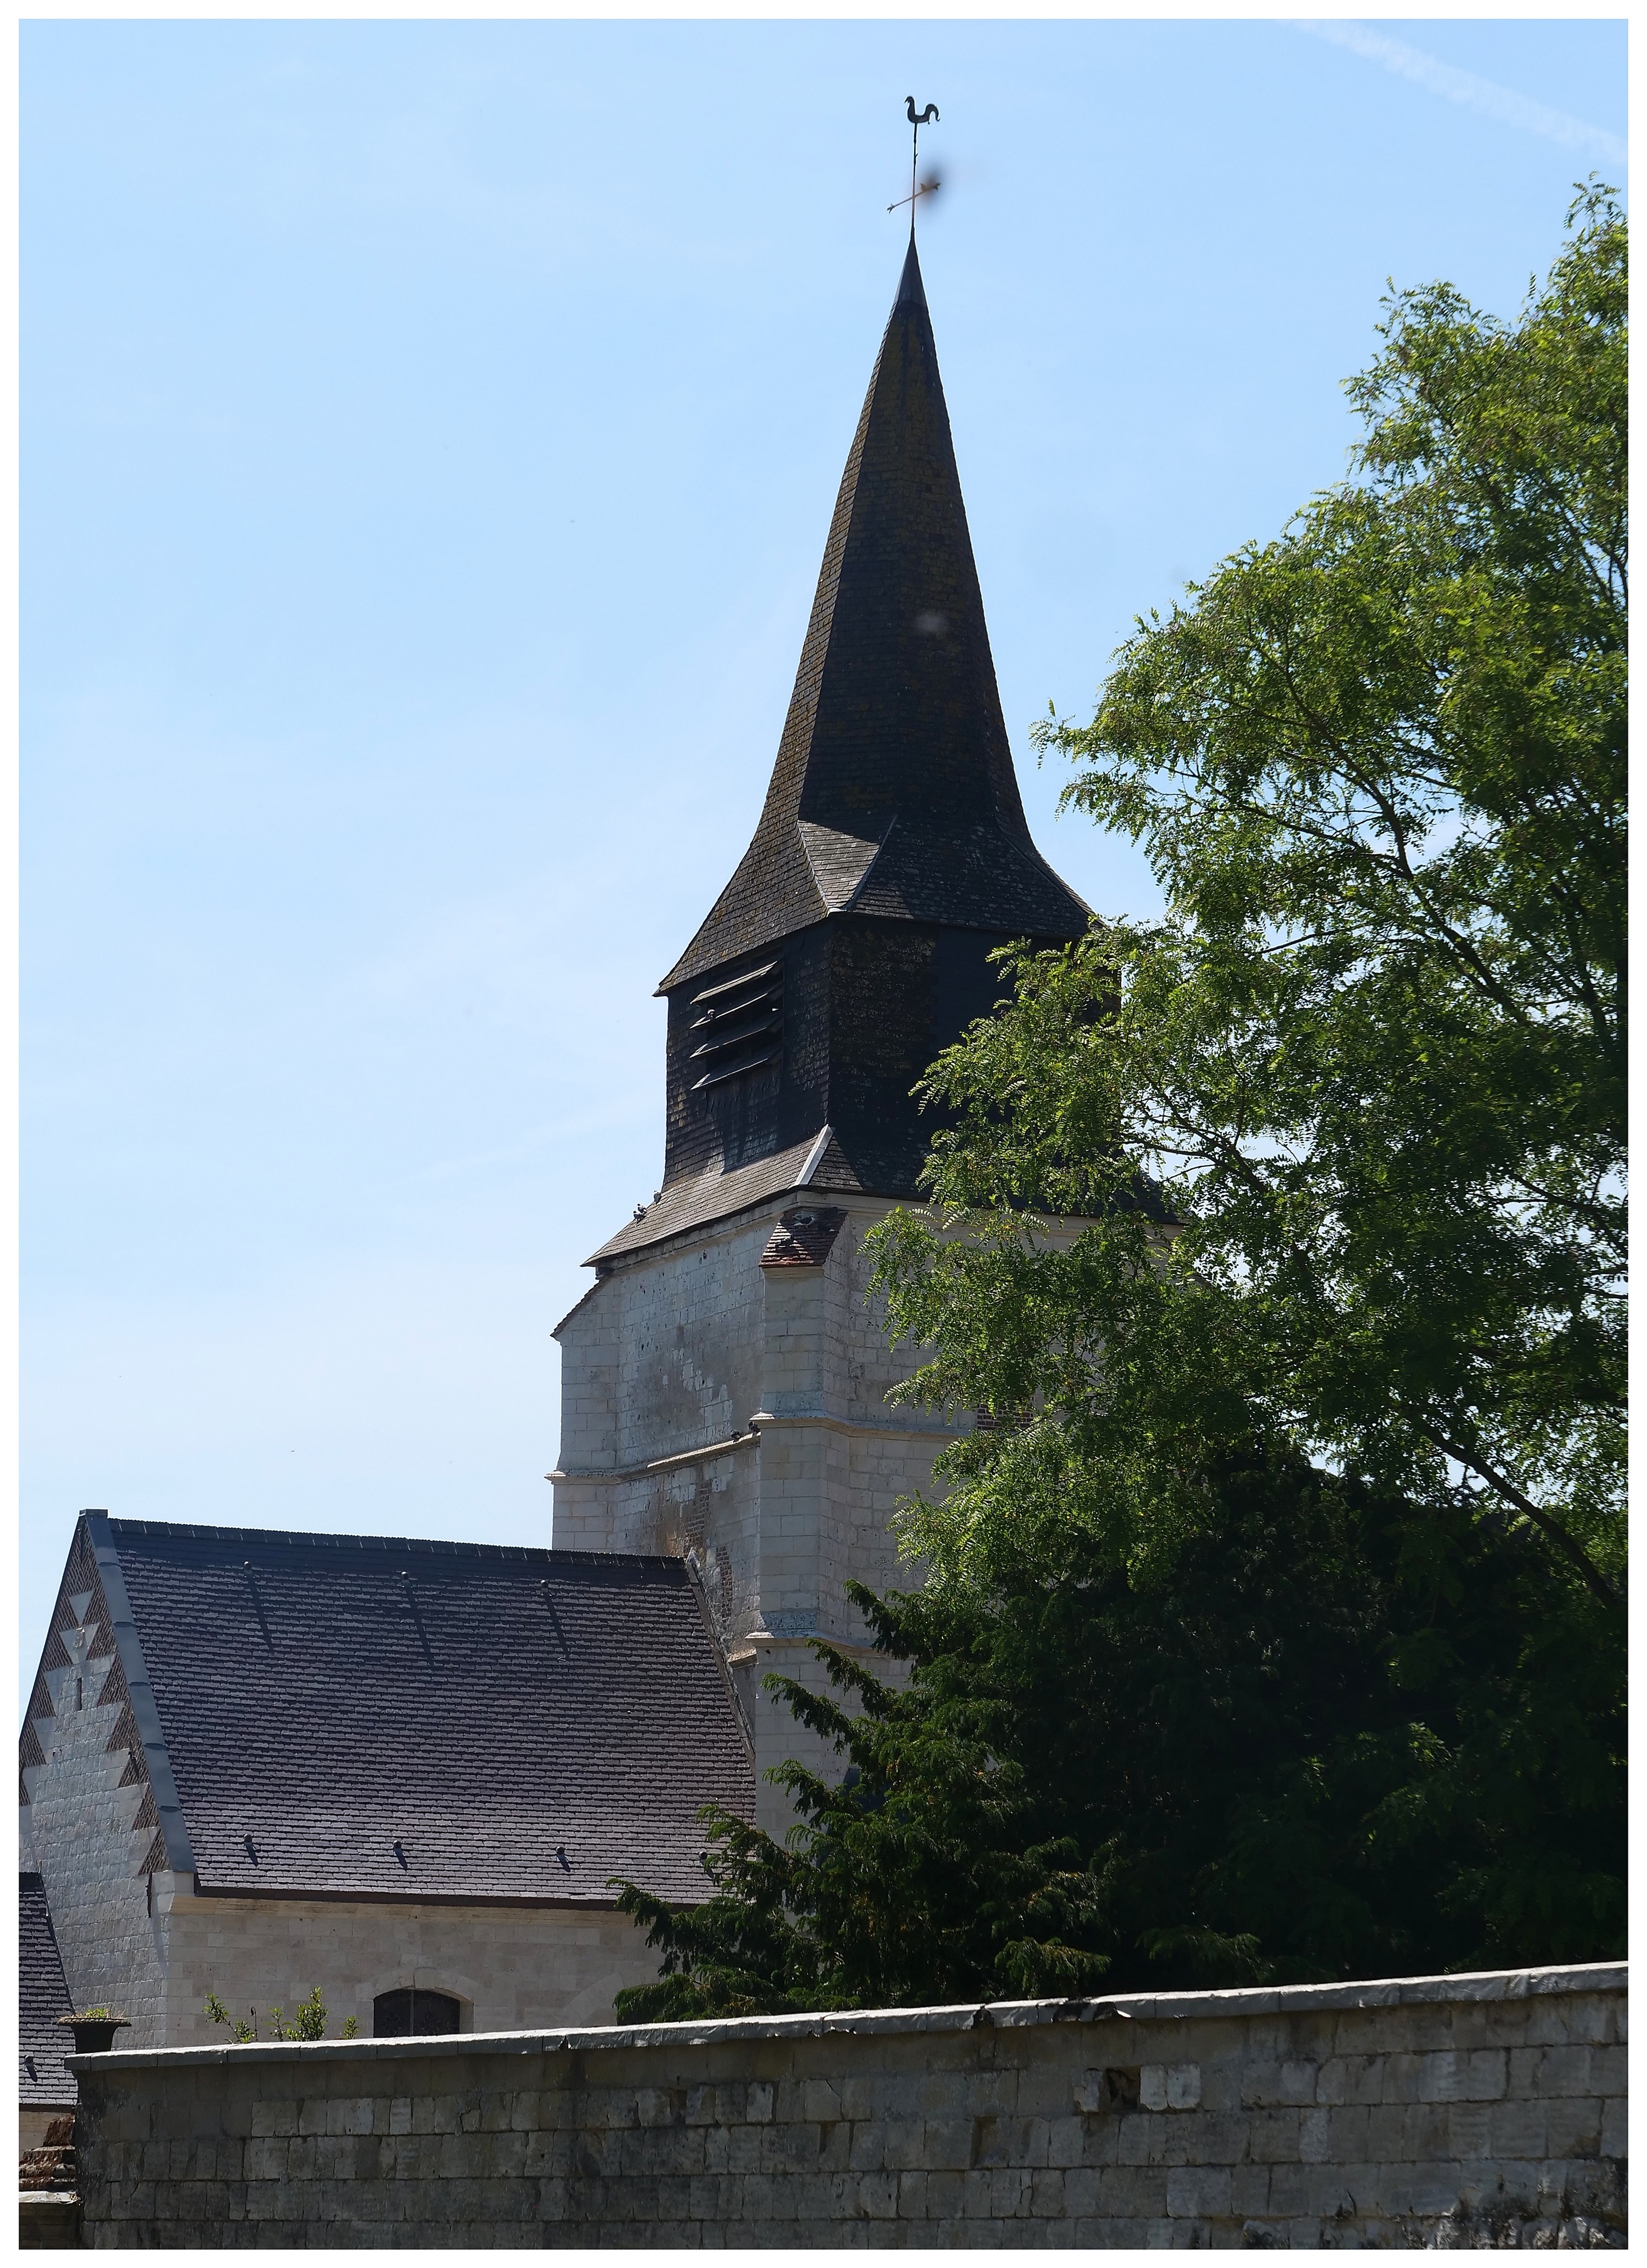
(1444, 2110)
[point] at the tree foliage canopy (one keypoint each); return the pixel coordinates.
(1372, 1059)
(1277, 1628)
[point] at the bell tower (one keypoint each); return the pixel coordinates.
(724, 1381)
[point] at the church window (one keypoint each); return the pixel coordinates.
(411, 2013)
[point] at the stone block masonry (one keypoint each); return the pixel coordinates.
(1481, 2110)
(691, 1342)
(505, 1967)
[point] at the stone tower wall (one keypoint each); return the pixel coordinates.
(681, 1345)
(686, 1342)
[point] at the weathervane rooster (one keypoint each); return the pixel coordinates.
(917, 189)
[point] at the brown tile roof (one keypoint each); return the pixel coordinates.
(803, 1237)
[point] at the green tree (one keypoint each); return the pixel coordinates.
(1345, 1129)
(1242, 1767)
(1372, 1060)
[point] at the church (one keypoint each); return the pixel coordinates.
(406, 1773)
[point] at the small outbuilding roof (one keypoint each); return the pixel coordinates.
(46, 2082)
(356, 1716)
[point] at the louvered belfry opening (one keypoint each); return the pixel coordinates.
(738, 1023)
(892, 855)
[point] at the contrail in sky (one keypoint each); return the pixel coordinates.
(1482, 94)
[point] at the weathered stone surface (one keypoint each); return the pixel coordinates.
(1386, 2114)
(48, 2220)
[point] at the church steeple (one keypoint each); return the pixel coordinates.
(725, 1386)
(893, 792)
(852, 944)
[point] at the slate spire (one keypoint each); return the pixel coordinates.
(893, 794)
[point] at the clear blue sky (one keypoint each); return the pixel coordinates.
(430, 436)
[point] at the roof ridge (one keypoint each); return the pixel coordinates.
(120, 1529)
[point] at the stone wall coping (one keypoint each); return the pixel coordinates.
(1238, 2002)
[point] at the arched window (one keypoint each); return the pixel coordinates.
(413, 2012)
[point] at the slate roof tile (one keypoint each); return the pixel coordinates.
(521, 1724)
(817, 1163)
(46, 2082)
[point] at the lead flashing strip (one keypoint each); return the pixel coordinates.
(752, 1439)
(664, 1464)
(815, 1157)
